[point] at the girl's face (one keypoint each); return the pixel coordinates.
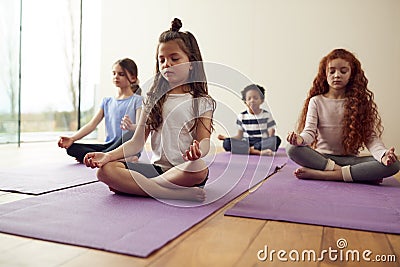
(338, 73)
(253, 100)
(173, 63)
(120, 79)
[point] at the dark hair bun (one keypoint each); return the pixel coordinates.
(176, 24)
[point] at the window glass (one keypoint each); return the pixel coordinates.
(59, 73)
(50, 67)
(9, 69)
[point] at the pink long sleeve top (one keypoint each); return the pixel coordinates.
(324, 119)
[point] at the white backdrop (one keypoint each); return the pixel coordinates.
(277, 44)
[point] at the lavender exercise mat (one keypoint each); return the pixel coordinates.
(283, 197)
(92, 216)
(46, 176)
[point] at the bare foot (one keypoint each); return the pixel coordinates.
(307, 173)
(266, 152)
(190, 193)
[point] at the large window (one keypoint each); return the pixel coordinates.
(9, 69)
(56, 56)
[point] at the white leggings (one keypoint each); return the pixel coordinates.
(354, 168)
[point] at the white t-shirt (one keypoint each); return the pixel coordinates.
(173, 138)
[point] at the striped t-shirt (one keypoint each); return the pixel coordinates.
(255, 125)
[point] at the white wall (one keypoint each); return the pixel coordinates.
(276, 43)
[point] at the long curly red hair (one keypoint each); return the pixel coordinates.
(361, 120)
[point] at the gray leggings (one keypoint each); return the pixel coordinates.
(362, 169)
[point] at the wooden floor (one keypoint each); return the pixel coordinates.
(217, 241)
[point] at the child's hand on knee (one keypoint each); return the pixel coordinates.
(96, 159)
(193, 153)
(65, 142)
(389, 157)
(294, 139)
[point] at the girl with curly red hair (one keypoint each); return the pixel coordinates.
(339, 118)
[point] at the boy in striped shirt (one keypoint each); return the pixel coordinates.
(256, 133)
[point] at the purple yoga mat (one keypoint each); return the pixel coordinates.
(46, 176)
(233, 165)
(283, 197)
(92, 216)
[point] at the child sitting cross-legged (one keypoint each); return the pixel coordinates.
(256, 133)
